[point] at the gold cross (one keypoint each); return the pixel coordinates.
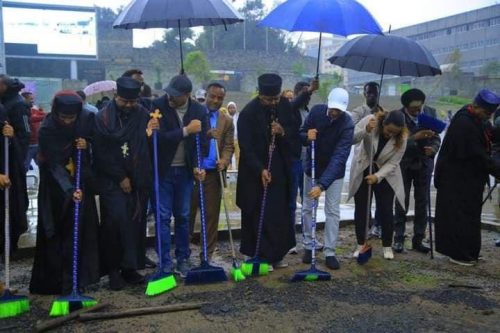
(125, 149)
(156, 114)
(70, 167)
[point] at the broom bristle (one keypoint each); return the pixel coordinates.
(237, 274)
(159, 286)
(12, 306)
(66, 304)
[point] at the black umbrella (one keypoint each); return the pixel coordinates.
(145, 14)
(386, 54)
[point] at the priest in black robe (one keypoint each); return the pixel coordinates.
(262, 117)
(123, 168)
(18, 202)
(462, 170)
(65, 130)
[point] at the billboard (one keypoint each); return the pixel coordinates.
(49, 30)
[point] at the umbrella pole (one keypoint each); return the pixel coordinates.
(380, 86)
(180, 46)
(319, 53)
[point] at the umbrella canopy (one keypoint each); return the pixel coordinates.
(338, 17)
(99, 87)
(145, 14)
(386, 55)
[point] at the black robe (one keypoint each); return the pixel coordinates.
(462, 171)
(254, 137)
(52, 267)
(123, 215)
(18, 197)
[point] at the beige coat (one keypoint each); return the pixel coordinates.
(387, 161)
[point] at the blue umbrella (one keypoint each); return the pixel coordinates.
(338, 17)
(145, 14)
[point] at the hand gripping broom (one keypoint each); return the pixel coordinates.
(10, 305)
(236, 272)
(205, 273)
(161, 281)
(256, 266)
(312, 274)
(62, 306)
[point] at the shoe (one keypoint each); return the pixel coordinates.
(388, 253)
(280, 264)
(398, 247)
(271, 268)
(307, 257)
(293, 250)
(419, 247)
(148, 263)
(131, 276)
(182, 268)
(116, 281)
(332, 262)
(358, 249)
(462, 262)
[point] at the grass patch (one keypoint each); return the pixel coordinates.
(412, 279)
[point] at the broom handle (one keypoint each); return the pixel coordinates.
(264, 196)
(429, 217)
(76, 221)
(233, 252)
(157, 198)
(315, 202)
(202, 201)
(7, 215)
(369, 201)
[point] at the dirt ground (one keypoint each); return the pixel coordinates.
(409, 294)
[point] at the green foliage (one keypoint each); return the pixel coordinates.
(171, 40)
(327, 83)
(299, 68)
(491, 68)
(457, 100)
(196, 65)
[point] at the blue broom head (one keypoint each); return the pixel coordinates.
(160, 282)
(13, 305)
(311, 274)
(205, 273)
(364, 255)
(255, 267)
(63, 305)
(427, 122)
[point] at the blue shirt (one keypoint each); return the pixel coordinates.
(210, 162)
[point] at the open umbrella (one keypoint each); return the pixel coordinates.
(338, 17)
(99, 87)
(145, 14)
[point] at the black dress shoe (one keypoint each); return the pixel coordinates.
(398, 247)
(148, 263)
(332, 262)
(132, 276)
(419, 247)
(116, 282)
(307, 257)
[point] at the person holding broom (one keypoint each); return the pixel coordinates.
(65, 130)
(266, 117)
(382, 139)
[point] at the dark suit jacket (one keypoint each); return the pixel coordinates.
(171, 134)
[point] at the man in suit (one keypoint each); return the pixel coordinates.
(221, 133)
(182, 119)
(416, 167)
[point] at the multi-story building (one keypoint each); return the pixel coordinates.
(329, 45)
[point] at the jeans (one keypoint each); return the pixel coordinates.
(175, 199)
(32, 151)
(297, 187)
(333, 195)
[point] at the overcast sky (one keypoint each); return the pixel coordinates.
(397, 13)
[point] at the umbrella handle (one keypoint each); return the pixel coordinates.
(180, 46)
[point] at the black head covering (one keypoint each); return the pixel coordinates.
(128, 88)
(487, 99)
(396, 118)
(67, 102)
(269, 84)
(412, 95)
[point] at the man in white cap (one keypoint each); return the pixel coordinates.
(332, 130)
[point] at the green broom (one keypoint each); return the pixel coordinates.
(62, 306)
(161, 281)
(10, 305)
(236, 273)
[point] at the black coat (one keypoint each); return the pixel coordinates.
(171, 134)
(19, 114)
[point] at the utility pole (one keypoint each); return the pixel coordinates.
(267, 41)
(213, 38)
(245, 34)
(3, 67)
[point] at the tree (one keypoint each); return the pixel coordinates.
(196, 65)
(491, 68)
(171, 40)
(327, 83)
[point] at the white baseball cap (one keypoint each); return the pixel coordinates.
(338, 98)
(200, 94)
